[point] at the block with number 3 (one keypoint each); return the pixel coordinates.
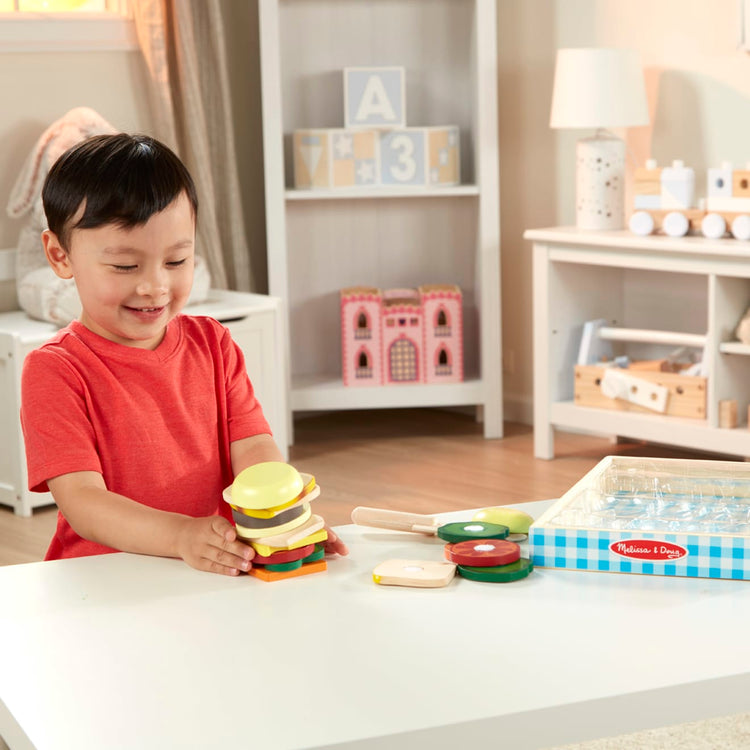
(420, 157)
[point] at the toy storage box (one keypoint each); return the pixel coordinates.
(687, 393)
(671, 517)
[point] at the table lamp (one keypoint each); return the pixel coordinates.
(599, 88)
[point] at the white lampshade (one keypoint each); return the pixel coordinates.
(598, 88)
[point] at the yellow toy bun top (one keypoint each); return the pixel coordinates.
(266, 485)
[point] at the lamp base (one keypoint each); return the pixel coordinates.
(600, 182)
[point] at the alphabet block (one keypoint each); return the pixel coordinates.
(335, 158)
(374, 97)
(443, 156)
(420, 156)
(402, 157)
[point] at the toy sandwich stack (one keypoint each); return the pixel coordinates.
(271, 509)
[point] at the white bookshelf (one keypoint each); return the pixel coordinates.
(659, 293)
(321, 241)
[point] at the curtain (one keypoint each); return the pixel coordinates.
(185, 52)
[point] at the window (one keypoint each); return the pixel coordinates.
(66, 25)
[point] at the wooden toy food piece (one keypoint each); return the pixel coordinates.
(266, 485)
(498, 574)
(284, 555)
(483, 552)
(270, 504)
(466, 530)
(263, 548)
(516, 520)
(418, 573)
(272, 575)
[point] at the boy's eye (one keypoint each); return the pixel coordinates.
(124, 269)
(176, 263)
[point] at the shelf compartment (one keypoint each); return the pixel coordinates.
(368, 193)
(323, 392)
(646, 336)
(734, 347)
(687, 433)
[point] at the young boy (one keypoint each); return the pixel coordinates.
(136, 417)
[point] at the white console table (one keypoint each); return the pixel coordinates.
(127, 651)
(254, 321)
(689, 285)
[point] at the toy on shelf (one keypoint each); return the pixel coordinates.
(271, 510)
(674, 385)
(660, 516)
(402, 335)
(477, 549)
(664, 201)
(375, 148)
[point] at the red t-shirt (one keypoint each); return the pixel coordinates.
(157, 425)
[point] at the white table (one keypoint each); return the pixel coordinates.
(123, 651)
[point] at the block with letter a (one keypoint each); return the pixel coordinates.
(374, 97)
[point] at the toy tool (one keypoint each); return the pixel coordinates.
(419, 523)
(395, 520)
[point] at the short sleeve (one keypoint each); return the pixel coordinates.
(58, 433)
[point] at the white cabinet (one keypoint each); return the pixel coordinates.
(322, 241)
(254, 321)
(690, 285)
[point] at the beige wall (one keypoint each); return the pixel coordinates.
(699, 93)
(698, 84)
(37, 88)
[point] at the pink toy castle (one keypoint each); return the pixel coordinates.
(402, 335)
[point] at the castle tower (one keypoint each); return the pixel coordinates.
(361, 341)
(443, 333)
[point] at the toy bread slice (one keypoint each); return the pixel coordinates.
(428, 574)
(310, 491)
(266, 485)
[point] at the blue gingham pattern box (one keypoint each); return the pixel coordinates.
(562, 538)
(581, 549)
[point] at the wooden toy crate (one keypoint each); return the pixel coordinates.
(658, 516)
(687, 393)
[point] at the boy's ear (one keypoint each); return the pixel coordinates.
(56, 255)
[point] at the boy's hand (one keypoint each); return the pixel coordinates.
(333, 545)
(211, 544)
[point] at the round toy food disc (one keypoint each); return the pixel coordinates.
(499, 573)
(460, 532)
(483, 552)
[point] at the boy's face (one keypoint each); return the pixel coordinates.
(131, 282)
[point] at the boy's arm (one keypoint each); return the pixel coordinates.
(253, 450)
(114, 520)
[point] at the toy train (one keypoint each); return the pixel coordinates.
(664, 201)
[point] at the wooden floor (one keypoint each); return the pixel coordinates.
(420, 460)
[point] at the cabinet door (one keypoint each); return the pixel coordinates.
(256, 336)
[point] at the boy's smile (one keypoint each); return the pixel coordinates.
(131, 281)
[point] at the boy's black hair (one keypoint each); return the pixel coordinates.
(122, 179)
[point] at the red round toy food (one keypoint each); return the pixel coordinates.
(483, 552)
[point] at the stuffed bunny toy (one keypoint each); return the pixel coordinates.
(41, 293)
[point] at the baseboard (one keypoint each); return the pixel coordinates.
(518, 408)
